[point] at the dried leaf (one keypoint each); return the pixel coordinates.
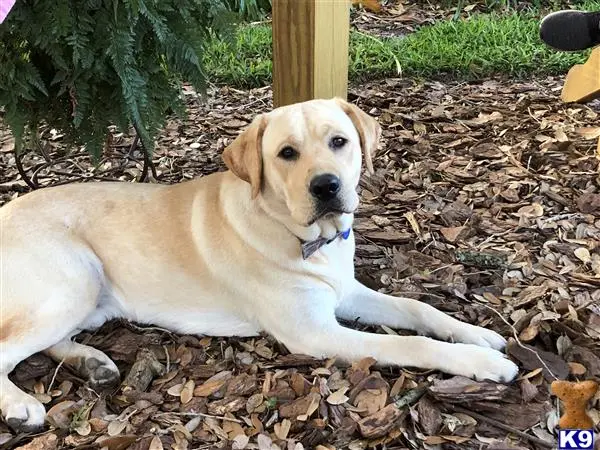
(338, 397)
(83, 428)
(282, 429)
(412, 220)
(156, 444)
(116, 442)
(530, 333)
(452, 234)
(583, 254)
(44, 442)
(187, 392)
(116, 427)
(588, 132)
(577, 369)
(240, 441)
(208, 388)
(175, 390)
(533, 358)
(59, 415)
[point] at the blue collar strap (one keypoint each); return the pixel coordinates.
(308, 248)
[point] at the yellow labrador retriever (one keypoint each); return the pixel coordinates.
(267, 245)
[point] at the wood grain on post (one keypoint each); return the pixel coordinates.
(310, 49)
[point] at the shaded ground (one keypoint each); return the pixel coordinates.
(485, 204)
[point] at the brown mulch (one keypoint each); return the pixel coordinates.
(485, 204)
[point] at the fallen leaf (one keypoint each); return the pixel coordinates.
(577, 369)
(451, 234)
(282, 429)
(208, 388)
(530, 333)
(338, 397)
(156, 444)
(240, 441)
(528, 390)
(412, 220)
(83, 428)
(187, 392)
(44, 442)
(533, 358)
(583, 254)
(116, 442)
(60, 414)
(116, 427)
(588, 132)
(175, 390)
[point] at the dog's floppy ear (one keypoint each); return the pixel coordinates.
(244, 156)
(368, 129)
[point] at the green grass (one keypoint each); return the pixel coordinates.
(480, 46)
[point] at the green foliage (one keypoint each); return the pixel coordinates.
(250, 10)
(244, 61)
(514, 5)
(480, 46)
(83, 65)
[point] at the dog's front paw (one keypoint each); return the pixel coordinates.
(101, 374)
(471, 334)
(482, 363)
(24, 414)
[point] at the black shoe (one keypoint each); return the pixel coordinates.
(570, 30)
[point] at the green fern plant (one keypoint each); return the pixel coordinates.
(81, 66)
(250, 10)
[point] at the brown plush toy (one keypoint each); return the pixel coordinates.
(575, 397)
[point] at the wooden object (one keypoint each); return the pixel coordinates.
(583, 80)
(583, 83)
(145, 368)
(310, 50)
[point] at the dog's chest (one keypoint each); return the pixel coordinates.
(334, 264)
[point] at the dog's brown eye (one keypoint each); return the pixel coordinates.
(337, 142)
(288, 153)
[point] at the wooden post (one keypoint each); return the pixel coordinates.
(310, 49)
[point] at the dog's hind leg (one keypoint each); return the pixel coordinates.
(38, 311)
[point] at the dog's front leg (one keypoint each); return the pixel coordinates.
(372, 307)
(308, 325)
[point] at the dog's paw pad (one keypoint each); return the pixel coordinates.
(101, 374)
(104, 377)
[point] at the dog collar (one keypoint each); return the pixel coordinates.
(308, 248)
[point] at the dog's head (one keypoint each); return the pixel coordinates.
(304, 159)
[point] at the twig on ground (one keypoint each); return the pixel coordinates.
(502, 426)
(54, 376)
(197, 414)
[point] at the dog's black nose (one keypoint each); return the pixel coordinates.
(325, 187)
